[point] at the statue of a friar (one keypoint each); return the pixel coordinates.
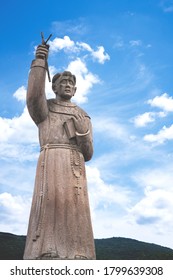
(60, 223)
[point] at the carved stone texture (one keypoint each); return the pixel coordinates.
(60, 223)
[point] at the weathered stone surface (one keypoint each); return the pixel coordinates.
(60, 224)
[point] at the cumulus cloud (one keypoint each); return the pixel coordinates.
(166, 133)
(59, 44)
(84, 46)
(99, 54)
(14, 213)
(85, 79)
(104, 199)
(146, 118)
(154, 207)
(164, 102)
(18, 137)
(115, 213)
(103, 193)
(20, 93)
(18, 129)
(157, 178)
(67, 44)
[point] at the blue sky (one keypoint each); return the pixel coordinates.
(121, 53)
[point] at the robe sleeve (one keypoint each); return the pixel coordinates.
(36, 98)
(85, 142)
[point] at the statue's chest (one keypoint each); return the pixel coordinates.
(57, 123)
(59, 115)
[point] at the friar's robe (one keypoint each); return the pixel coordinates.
(60, 223)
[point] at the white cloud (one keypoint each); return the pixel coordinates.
(18, 137)
(84, 46)
(115, 213)
(100, 55)
(104, 194)
(148, 117)
(14, 213)
(105, 198)
(155, 205)
(20, 94)
(165, 102)
(67, 44)
(59, 44)
(85, 79)
(166, 133)
(154, 208)
(18, 129)
(160, 177)
(144, 119)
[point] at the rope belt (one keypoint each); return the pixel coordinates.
(56, 146)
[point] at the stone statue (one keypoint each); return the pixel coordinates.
(60, 224)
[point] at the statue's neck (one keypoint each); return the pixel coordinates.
(59, 98)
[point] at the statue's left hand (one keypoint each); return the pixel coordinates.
(81, 124)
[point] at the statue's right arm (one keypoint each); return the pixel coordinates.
(36, 98)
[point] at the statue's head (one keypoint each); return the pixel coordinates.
(63, 84)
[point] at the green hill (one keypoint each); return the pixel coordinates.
(115, 248)
(118, 248)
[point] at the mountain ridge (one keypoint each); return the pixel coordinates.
(113, 248)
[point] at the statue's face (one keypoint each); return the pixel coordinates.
(65, 88)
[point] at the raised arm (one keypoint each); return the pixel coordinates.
(36, 98)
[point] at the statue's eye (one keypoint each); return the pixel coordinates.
(63, 82)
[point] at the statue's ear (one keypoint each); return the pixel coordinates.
(75, 90)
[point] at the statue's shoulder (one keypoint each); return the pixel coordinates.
(81, 111)
(51, 101)
(52, 105)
